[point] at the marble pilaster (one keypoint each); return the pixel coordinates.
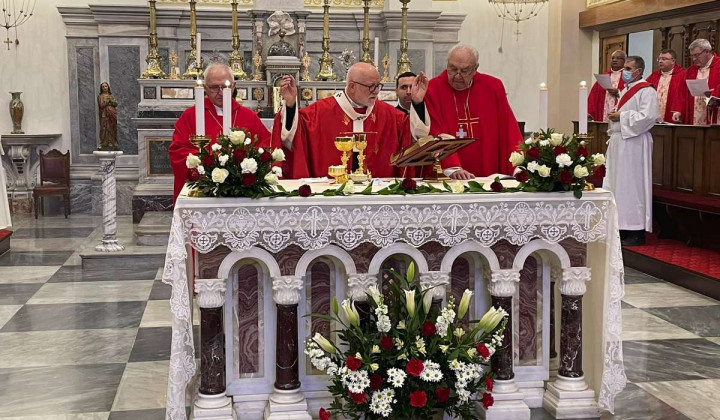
(109, 242)
(438, 282)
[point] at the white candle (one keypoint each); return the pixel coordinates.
(543, 106)
(199, 108)
(199, 51)
(227, 110)
(377, 51)
(583, 106)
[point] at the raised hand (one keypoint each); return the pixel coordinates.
(288, 90)
(419, 88)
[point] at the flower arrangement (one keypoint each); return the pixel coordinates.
(550, 161)
(406, 359)
(234, 166)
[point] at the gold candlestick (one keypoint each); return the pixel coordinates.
(235, 60)
(366, 34)
(191, 68)
(403, 64)
(154, 60)
(326, 61)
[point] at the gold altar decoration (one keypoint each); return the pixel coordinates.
(174, 69)
(346, 4)
(403, 64)
(305, 73)
(386, 69)
(361, 174)
(235, 60)
(199, 141)
(191, 70)
(154, 59)
(340, 172)
(326, 61)
(257, 67)
(210, 2)
(365, 58)
(306, 95)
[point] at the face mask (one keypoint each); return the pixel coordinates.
(627, 76)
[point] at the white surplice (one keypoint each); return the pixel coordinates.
(629, 159)
(5, 221)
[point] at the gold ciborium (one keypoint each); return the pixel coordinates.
(339, 172)
(345, 145)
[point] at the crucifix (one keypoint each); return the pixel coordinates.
(8, 42)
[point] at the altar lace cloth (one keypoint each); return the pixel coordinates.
(450, 219)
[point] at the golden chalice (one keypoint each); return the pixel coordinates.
(360, 145)
(339, 172)
(345, 145)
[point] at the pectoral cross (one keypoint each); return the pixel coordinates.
(467, 123)
(8, 42)
(461, 132)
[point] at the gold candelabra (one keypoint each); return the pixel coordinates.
(326, 61)
(235, 60)
(154, 60)
(366, 34)
(403, 64)
(192, 69)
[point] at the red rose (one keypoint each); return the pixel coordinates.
(192, 175)
(353, 363)
(386, 343)
(415, 367)
(599, 171)
(409, 184)
(496, 186)
(558, 150)
(442, 394)
(428, 329)
(305, 190)
(238, 155)
(418, 399)
(521, 176)
(482, 350)
(249, 180)
(582, 151)
(488, 384)
(208, 160)
(487, 400)
(265, 156)
(533, 152)
(358, 398)
(324, 414)
(375, 381)
(566, 177)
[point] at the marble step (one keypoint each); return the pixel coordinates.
(133, 255)
(154, 228)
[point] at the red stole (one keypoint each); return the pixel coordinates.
(631, 92)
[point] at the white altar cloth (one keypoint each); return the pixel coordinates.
(450, 219)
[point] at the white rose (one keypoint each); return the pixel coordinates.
(271, 178)
(237, 137)
(457, 187)
(599, 158)
(248, 166)
(516, 158)
(219, 175)
(556, 139)
(261, 150)
(278, 155)
(247, 141)
(544, 171)
(580, 171)
(192, 161)
(532, 166)
(223, 159)
(544, 142)
(582, 143)
(349, 188)
(582, 158)
(277, 171)
(201, 170)
(563, 160)
(215, 147)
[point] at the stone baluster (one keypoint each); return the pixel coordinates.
(212, 403)
(358, 285)
(569, 396)
(438, 281)
(508, 398)
(286, 401)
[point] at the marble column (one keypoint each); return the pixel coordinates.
(212, 403)
(286, 401)
(358, 285)
(509, 402)
(438, 281)
(109, 242)
(569, 396)
(555, 277)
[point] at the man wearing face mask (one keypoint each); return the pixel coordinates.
(668, 80)
(705, 65)
(601, 101)
(629, 154)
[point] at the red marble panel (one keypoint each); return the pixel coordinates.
(320, 295)
(362, 255)
(247, 318)
(433, 253)
(505, 252)
(576, 250)
(288, 258)
(530, 280)
(460, 280)
(208, 264)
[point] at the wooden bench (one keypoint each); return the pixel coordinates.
(692, 218)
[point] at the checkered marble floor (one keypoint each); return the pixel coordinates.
(81, 344)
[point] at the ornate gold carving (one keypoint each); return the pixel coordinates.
(403, 64)
(210, 2)
(346, 4)
(326, 62)
(365, 58)
(153, 59)
(191, 69)
(235, 60)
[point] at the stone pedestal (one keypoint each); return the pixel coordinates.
(509, 404)
(109, 242)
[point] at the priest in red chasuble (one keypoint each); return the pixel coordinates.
(216, 75)
(600, 101)
(468, 104)
(308, 134)
(705, 65)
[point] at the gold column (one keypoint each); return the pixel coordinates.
(366, 34)
(326, 61)
(153, 59)
(191, 70)
(403, 63)
(236, 61)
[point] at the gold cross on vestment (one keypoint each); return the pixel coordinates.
(465, 127)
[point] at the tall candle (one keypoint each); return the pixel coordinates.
(199, 51)
(199, 108)
(377, 51)
(583, 107)
(227, 110)
(543, 106)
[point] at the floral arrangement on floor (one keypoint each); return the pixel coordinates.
(550, 161)
(234, 166)
(406, 359)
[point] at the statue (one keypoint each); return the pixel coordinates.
(257, 64)
(281, 24)
(107, 105)
(174, 68)
(305, 75)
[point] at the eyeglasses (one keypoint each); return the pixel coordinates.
(215, 89)
(463, 72)
(698, 54)
(664, 59)
(371, 88)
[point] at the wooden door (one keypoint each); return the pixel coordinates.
(608, 46)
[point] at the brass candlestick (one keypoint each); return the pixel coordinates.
(386, 69)
(326, 61)
(192, 70)
(366, 34)
(235, 60)
(403, 64)
(154, 60)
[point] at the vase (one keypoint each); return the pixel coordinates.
(17, 109)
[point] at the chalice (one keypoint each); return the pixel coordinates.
(345, 145)
(339, 172)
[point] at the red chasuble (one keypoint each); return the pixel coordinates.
(481, 112)
(685, 103)
(677, 84)
(314, 141)
(596, 99)
(185, 127)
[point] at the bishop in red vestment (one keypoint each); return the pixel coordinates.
(668, 80)
(601, 101)
(706, 65)
(308, 135)
(216, 75)
(468, 104)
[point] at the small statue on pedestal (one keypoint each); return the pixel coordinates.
(257, 64)
(305, 75)
(386, 69)
(107, 105)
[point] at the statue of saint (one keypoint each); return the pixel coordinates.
(107, 105)
(174, 68)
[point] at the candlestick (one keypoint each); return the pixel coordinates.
(543, 106)
(199, 109)
(377, 52)
(227, 110)
(583, 106)
(198, 58)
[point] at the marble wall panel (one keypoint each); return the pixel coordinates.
(362, 255)
(209, 263)
(248, 334)
(460, 279)
(87, 89)
(81, 196)
(124, 63)
(530, 280)
(433, 253)
(577, 251)
(288, 258)
(505, 252)
(165, 54)
(123, 195)
(144, 203)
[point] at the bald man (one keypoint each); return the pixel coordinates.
(601, 102)
(308, 134)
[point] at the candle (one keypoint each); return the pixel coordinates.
(227, 110)
(543, 106)
(377, 51)
(583, 106)
(199, 50)
(199, 108)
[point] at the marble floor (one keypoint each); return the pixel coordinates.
(94, 344)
